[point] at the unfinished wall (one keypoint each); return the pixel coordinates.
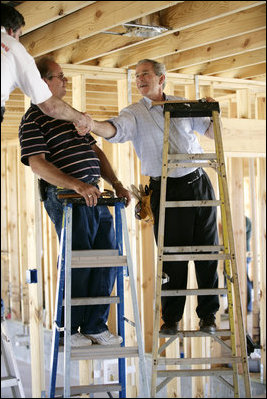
(28, 237)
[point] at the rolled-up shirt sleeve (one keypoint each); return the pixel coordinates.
(126, 127)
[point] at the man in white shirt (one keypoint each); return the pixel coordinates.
(18, 69)
(143, 124)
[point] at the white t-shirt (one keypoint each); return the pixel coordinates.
(18, 69)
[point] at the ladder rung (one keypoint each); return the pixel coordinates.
(185, 204)
(198, 333)
(202, 291)
(7, 382)
(169, 258)
(95, 252)
(202, 164)
(98, 261)
(77, 390)
(102, 352)
(194, 373)
(200, 248)
(182, 157)
(94, 301)
(199, 360)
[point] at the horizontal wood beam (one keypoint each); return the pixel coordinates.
(228, 63)
(39, 13)
(240, 23)
(97, 17)
(92, 47)
(215, 51)
(248, 72)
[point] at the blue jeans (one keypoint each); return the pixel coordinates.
(92, 228)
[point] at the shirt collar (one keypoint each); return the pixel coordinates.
(148, 102)
(3, 29)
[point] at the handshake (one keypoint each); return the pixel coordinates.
(84, 124)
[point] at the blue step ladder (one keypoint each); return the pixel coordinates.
(95, 258)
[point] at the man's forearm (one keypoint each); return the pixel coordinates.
(50, 173)
(59, 109)
(104, 129)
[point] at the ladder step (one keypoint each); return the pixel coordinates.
(95, 252)
(94, 301)
(199, 248)
(102, 352)
(202, 291)
(7, 382)
(170, 258)
(194, 373)
(185, 204)
(80, 389)
(204, 360)
(89, 260)
(198, 333)
(202, 164)
(182, 157)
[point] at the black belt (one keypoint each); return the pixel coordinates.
(189, 179)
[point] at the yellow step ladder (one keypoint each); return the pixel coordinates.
(182, 109)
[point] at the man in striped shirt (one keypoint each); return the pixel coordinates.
(60, 156)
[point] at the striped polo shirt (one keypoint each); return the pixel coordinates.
(61, 144)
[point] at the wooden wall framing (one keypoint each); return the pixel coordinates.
(102, 92)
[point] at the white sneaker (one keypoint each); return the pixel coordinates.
(105, 338)
(77, 340)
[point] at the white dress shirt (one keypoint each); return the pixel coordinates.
(18, 69)
(143, 124)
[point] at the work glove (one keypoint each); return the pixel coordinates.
(142, 208)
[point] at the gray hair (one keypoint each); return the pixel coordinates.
(158, 68)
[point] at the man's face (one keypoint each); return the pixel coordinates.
(147, 82)
(57, 83)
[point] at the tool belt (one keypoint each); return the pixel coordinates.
(43, 187)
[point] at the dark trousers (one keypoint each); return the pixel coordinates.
(187, 227)
(92, 228)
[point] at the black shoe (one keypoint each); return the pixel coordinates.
(207, 324)
(170, 328)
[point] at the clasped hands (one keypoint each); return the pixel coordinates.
(84, 125)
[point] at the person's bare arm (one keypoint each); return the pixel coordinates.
(59, 109)
(104, 129)
(108, 174)
(50, 173)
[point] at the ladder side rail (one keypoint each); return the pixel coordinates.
(228, 220)
(229, 288)
(58, 311)
(221, 176)
(10, 362)
(163, 190)
(67, 308)
(142, 365)
(120, 306)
